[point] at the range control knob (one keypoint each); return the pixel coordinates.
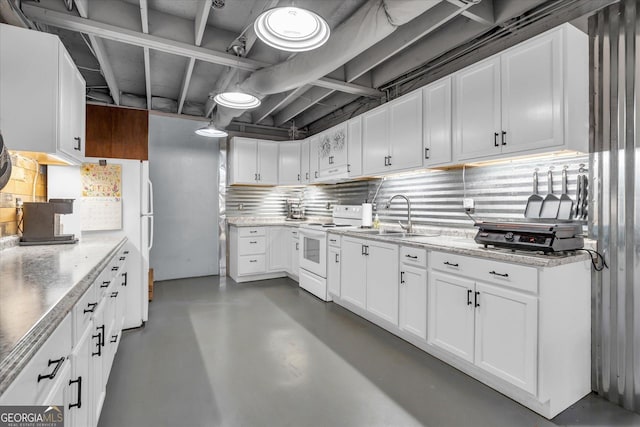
(508, 236)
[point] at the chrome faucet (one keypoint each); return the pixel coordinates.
(408, 228)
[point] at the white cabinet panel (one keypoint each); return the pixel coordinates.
(437, 122)
(354, 147)
(375, 145)
(532, 95)
(252, 245)
(353, 286)
(333, 270)
(305, 174)
(451, 314)
(83, 382)
(477, 110)
(251, 264)
(267, 162)
(244, 167)
(289, 163)
(314, 158)
(413, 300)
(295, 253)
(279, 259)
(506, 335)
(382, 280)
(72, 107)
(405, 127)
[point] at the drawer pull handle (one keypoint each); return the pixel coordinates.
(499, 274)
(78, 404)
(477, 304)
(91, 307)
(333, 240)
(122, 258)
(253, 231)
(114, 294)
(469, 291)
(105, 284)
(253, 260)
(126, 252)
(53, 373)
(114, 268)
(114, 338)
(253, 242)
(125, 279)
(451, 264)
(412, 256)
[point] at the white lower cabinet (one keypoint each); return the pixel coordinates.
(333, 264)
(413, 292)
(524, 331)
(72, 367)
(258, 253)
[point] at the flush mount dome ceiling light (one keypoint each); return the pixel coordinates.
(237, 100)
(211, 131)
(292, 29)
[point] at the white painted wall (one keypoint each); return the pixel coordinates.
(184, 170)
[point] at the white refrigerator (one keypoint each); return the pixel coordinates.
(137, 225)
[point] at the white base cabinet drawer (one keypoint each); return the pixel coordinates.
(251, 245)
(251, 264)
(251, 231)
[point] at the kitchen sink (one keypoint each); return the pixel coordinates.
(396, 234)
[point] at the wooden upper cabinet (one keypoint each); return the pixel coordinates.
(117, 133)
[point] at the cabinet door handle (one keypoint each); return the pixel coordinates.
(366, 251)
(78, 403)
(330, 160)
(426, 153)
(297, 246)
(386, 160)
(348, 168)
(477, 304)
(504, 138)
(412, 256)
(469, 291)
(298, 177)
(337, 259)
(402, 277)
(316, 174)
(114, 294)
(389, 161)
(495, 139)
(105, 284)
(114, 338)
(52, 375)
(307, 176)
(451, 264)
(91, 307)
(125, 279)
(499, 274)
(255, 176)
(77, 146)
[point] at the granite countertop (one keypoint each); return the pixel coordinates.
(39, 285)
(462, 244)
(240, 221)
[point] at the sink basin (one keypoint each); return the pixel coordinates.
(397, 234)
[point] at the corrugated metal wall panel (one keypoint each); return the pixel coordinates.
(616, 224)
(500, 192)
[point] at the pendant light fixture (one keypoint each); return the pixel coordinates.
(210, 131)
(292, 29)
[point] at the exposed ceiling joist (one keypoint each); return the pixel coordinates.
(481, 12)
(99, 51)
(144, 17)
(202, 14)
(301, 104)
(274, 102)
(331, 104)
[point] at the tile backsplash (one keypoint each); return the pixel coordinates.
(25, 171)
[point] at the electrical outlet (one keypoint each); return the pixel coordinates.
(468, 203)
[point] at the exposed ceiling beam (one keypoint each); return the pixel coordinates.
(202, 14)
(101, 55)
(404, 36)
(481, 12)
(331, 104)
(274, 102)
(136, 38)
(144, 17)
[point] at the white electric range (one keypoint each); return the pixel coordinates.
(313, 249)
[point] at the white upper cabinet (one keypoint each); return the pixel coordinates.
(289, 163)
(354, 147)
(36, 66)
(528, 99)
(332, 154)
(253, 161)
(392, 136)
(405, 125)
(314, 158)
(436, 122)
(305, 173)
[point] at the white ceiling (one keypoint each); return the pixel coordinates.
(117, 71)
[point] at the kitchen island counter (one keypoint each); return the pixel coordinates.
(39, 285)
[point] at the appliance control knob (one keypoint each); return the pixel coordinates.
(508, 237)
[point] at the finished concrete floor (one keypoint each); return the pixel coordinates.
(218, 353)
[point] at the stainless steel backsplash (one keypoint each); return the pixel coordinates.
(500, 192)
